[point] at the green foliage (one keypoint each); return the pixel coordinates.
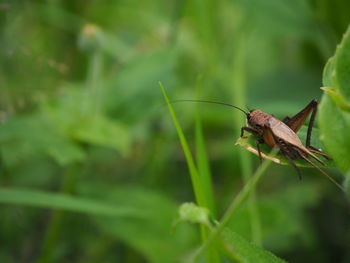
(235, 245)
(334, 111)
(247, 252)
(91, 169)
(148, 232)
(342, 67)
(21, 138)
(283, 216)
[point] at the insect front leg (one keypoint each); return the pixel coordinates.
(258, 142)
(248, 129)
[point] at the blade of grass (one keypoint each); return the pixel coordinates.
(203, 166)
(66, 202)
(195, 179)
(202, 158)
(199, 191)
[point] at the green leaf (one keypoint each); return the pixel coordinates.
(329, 73)
(335, 132)
(73, 115)
(43, 199)
(334, 109)
(248, 252)
(104, 132)
(23, 137)
(342, 66)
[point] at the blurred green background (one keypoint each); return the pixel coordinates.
(84, 126)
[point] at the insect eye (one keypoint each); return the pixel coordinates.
(258, 126)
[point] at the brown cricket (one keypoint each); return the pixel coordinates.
(282, 134)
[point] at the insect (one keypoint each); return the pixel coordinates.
(282, 134)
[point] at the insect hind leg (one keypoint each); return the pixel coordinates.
(291, 161)
(290, 153)
(297, 121)
(313, 104)
(315, 150)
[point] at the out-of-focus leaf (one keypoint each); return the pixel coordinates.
(73, 115)
(43, 199)
(93, 37)
(248, 252)
(347, 184)
(104, 132)
(59, 17)
(136, 80)
(151, 235)
(282, 216)
(294, 17)
(30, 135)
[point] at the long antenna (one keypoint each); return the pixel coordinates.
(212, 102)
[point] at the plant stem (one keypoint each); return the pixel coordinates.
(236, 202)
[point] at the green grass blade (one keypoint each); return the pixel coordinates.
(43, 199)
(203, 166)
(196, 182)
(212, 255)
